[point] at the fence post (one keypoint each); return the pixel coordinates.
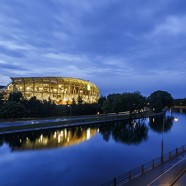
(142, 169)
(176, 151)
(183, 149)
(152, 163)
(129, 176)
(170, 155)
(114, 181)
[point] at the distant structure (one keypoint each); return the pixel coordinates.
(2, 88)
(61, 90)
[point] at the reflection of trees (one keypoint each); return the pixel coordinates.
(129, 132)
(178, 110)
(156, 124)
(1, 140)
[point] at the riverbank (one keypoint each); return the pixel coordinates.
(41, 124)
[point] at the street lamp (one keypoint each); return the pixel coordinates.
(162, 142)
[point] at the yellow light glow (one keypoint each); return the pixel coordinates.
(59, 138)
(54, 135)
(88, 87)
(88, 133)
(41, 137)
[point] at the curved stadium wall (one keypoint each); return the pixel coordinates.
(61, 90)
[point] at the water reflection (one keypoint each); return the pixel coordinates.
(157, 125)
(129, 132)
(48, 138)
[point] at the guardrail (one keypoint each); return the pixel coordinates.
(70, 122)
(130, 175)
(64, 122)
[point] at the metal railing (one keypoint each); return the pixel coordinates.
(130, 175)
(71, 121)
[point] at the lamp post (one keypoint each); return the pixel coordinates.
(70, 109)
(162, 142)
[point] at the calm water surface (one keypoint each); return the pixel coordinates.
(88, 155)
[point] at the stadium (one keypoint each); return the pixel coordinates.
(61, 90)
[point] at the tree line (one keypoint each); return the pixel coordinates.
(16, 106)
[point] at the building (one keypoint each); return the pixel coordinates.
(61, 90)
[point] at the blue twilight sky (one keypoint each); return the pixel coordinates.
(120, 45)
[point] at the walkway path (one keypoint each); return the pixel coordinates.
(170, 173)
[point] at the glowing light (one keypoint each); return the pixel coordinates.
(134, 124)
(45, 141)
(176, 119)
(59, 138)
(41, 137)
(61, 133)
(88, 87)
(54, 135)
(88, 133)
(65, 133)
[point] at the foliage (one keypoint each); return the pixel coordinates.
(16, 96)
(124, 102)
(180, 102)
(159, 100)
(1, 99)
(17, 106)
(12, 109)
(107, 106)
(100, 104)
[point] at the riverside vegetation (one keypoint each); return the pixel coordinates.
(16, 106)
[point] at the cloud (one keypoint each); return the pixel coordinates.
(119, 45)
(172, 25)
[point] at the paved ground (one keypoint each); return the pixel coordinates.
(181, 180)
(170, 173)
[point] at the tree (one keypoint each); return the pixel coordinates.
(159, 100)
(16, 96)
(134, 101)
(12, 109)
(107, 106)
(35, 107)
(80, 100)
(100, 103)
(1, 99)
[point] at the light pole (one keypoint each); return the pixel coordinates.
(162, 143)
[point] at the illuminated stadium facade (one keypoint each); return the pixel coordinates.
(61, 90)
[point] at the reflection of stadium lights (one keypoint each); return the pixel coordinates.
(88, 133)
(176, 119)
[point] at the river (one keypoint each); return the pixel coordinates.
(87, 155)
